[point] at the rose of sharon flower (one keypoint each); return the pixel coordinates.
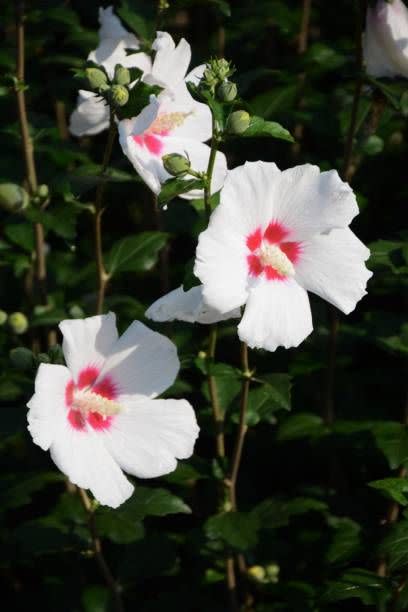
(98, 414)
(274, 236)
(188, 306)
(92, 114)
(173, 122)
(386, 39)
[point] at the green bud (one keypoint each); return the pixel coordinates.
(238, 122)
(122, 75)
(227, 91)
(120, 95)
(272, 573)
(175, 164)
(43, 192)
(256, 573)
(221, 68)
(18, 322)
(97, 78)
(3, 317)
(13, 198)
(22, 358)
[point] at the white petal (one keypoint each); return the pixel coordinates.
(198, 121)
(376, 60)
(305, 200)
(149, 436)
(91, 115)
(142, 362)
(389, 24)
(111, 26)
(82, 456)
(332, 266)
(47, 405)
(187, 306)
(88, 341)
(277, 314)
(171, 63)
(221, 264)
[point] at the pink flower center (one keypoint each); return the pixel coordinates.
(91, 401)
(152, 138)
(271, 254)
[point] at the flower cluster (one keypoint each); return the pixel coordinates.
(274, 236)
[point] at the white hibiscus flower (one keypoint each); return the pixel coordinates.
(173, 122)
(188, 306)
(274, 236)
(92, 114)
(386, 39)
(98, 414)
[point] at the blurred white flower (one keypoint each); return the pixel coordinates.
(188, 306)
(91, 115)
(98, 414)
(386, 39)
(274, 236)
(173, 122)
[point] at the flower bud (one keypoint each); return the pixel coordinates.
(238, 122)
(97, 78)
(43, 191)
(13, 198)
(385, 39)
(120, 95)
(18, 322)
(3, 317)
(221, 68)
(176, 164)
(227, 91)
(272, 573)
(122, 75)
(256, 573)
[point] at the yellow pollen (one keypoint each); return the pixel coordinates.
(166, 122)
(272, 255)
(88, 401)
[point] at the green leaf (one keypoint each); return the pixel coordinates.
(238, 530)
(135, 253)
(176, 186)
(392, 439)
(302, 425)
(22, 234)
(388, 254)
(16, 491)
(118, 525)
(141, 22)
(275, 513)
(154, 502)
(394, 547)
(22, 358)
(393, 488)
(357, 583)
(266, 399)
(346, 540)
(95, 599)
(139, 98)
(259, 127)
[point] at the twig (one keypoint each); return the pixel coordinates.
(102, 275)
(98, 552)
(215, 403)
(164, 266)
(28, 152)
(303, 40)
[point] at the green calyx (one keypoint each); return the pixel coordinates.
(238, 122)
(176, 164)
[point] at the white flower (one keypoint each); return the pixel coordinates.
(98, 414)
(92, 114)
(188, 306)
(386, 39)
(274, 236)
(173, 122)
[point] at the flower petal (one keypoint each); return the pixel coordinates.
(88, 341)
(48, 403)
(377, 62)
(387, 23)
(332, 266)
(189, 306)
(170, 63)
(150, 435)
(142, 362)
(277, 314)
(91, 115)
(82, 456)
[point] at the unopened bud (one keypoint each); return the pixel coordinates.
(120, 95)
(176, 164)
(256, 573)
(122, 75)
(227, 91)
(18, 322)
(13, 197)
(221, 67)
(238, 122)
(43, 191)
(272, 573)
(3, 317)
(97, 78)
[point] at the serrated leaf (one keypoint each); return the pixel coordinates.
(259, 127)
(357, 583)
(393, 488)
(238, 530)
(346, 540)
(394, 547)
(135, 253)
(392, 439)
(274, 513)
(303, 425)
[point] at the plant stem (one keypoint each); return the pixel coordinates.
(98, 552)
(303, 40)
(102, 276)
(164, 253)
(215, 404)
(28, 152)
